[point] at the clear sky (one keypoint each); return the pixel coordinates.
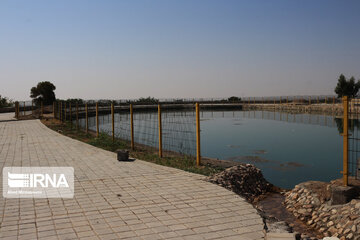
(164, 49)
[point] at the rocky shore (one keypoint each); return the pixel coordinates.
(311, 202)
(245, 179)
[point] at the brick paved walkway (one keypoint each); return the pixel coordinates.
(116, 200)
(7, 117)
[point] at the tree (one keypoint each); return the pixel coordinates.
(234, 99)
(5, 102)
(346, 87)
(43, 92)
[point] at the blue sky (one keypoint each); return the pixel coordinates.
(130, 49)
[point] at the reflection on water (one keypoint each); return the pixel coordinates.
(289, 148)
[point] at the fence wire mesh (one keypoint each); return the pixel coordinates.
(354, 138)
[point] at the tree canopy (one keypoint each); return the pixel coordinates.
(346, 87)
(43, 92)
(5, 102)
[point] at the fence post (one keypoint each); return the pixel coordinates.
(61, 113)
(113, 122)
(325, 100)
(333, 100)
(345, 139)
(70, 112)
(24, 109)
(132, 127)
(309, 100)
(287, 100)
(317, 99)
(16, 109)
(32, 107)
(64, 111)
(160, 131)
(86, 118)
(97, 119)
(198, 156)
(42, 108)
(77, 115)
(54, 109)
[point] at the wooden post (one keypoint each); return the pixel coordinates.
(287, 99)
(113, 121)
(24, 109)
(309, 100)
(86, 118)
(32, 107)
(42, 108)
(198, 155)
(345, 140)
(160, 131)
(97, 119)
(77, 115)
(333, 100)
(54, 109)
(132, 127)
(317, 99)
(325, 99)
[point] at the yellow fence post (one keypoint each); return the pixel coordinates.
(70, 116)
(132, 127)
(61, 113)
(54, 109)
(77, 115)
(160, 131)
(345, 139)
(198, 155)
(86, 118)
(113, 121)
(16, 109)
(97, 119)
(64, 111)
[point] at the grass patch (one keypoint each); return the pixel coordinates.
(145, 153)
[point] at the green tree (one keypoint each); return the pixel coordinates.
(43, 92)
(234, 99)
(5, 102)
(346, 87)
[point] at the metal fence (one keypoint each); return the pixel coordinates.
(351, 133)
(165, 129)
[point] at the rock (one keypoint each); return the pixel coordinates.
(329, 224)
(245, 180)
(350, 236)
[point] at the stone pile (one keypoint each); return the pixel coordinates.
(246, 180)
(313, 207)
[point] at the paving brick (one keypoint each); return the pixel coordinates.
(116, 200)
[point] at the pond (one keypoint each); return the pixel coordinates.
(288, 148)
